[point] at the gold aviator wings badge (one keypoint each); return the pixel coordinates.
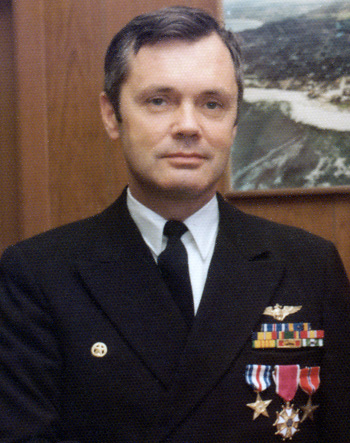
(280, 313)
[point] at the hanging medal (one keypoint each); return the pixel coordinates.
(309, 382)
(258, 378)
(286, 379)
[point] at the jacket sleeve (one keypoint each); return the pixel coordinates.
(29, 356)
(334, 375)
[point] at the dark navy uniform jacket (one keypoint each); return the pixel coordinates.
(95, 281)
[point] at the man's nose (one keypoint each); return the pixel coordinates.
(186, 123)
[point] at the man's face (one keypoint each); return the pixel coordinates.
(178, 108)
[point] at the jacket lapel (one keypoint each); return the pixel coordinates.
(123, 279)
(242, 278)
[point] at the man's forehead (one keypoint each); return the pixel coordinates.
(205, 56)
(204, 43)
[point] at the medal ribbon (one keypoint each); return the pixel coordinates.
(258, 377)
(310, 379)
(286, 379)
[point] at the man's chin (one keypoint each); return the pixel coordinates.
(190, 191)
(168, 189)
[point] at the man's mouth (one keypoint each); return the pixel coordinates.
(185, 159)
(185, 155)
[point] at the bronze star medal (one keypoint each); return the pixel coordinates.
(259, 406)
(309, 383)
(308, 410)
(287, 422)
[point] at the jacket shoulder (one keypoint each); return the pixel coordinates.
(75, 238)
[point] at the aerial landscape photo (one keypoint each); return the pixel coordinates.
(294, 129)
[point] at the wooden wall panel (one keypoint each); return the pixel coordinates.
(85, 170)
(32, 133)
(312, 214)
(9, 198)
(342, 228)
(80, 166)
(323, 212)
(130, 9)
(68, 167)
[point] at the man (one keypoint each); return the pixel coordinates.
(101, 343)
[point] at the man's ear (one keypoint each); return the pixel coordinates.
(234, 132)
(108, 117)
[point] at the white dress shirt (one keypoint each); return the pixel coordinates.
(199, 240)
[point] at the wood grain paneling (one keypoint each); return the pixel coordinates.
(69, 169)
(115, 20)
(324, 212)
(86, 171)
(32, 137)
(341, 228)
(9, 198)
(80, 165)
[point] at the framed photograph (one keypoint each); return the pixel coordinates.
(294, 127)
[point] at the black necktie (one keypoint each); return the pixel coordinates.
(173, 264)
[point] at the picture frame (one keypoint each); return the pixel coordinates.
(294, 124)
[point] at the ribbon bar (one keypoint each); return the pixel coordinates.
(270, 327)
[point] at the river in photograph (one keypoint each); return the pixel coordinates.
(239, 25)
(291, 142)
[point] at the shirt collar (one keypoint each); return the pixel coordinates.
(202, 225)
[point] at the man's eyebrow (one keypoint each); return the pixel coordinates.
(158, 89)
(219, 91)
(155, 90)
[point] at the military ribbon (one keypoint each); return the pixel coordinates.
(309, 379)
(258, 378)
(286, 379)
(309, 382)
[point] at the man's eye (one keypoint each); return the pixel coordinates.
(212, 105)
(157, 101)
